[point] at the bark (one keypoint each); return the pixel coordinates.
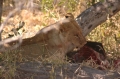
(97, 14)
(37, 70)
(1, 5)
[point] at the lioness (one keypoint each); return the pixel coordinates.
(58, 38)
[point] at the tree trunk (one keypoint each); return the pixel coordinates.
(1, 5)
(97, 14)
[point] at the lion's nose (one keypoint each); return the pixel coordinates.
(77, 48)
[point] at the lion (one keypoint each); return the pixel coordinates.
(54, 40)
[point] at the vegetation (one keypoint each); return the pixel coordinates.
(46, 12)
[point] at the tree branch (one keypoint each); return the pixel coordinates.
(97, 14)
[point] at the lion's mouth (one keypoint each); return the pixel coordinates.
(76, 48)
(73, 47)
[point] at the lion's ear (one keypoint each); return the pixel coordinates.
(69, 15)
(66, 24)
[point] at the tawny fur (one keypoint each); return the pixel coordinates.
(60, 37)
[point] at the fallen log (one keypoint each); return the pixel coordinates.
(36, 70)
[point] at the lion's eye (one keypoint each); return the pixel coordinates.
(76, 35)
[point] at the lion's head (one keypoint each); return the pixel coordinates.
(72, 34)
